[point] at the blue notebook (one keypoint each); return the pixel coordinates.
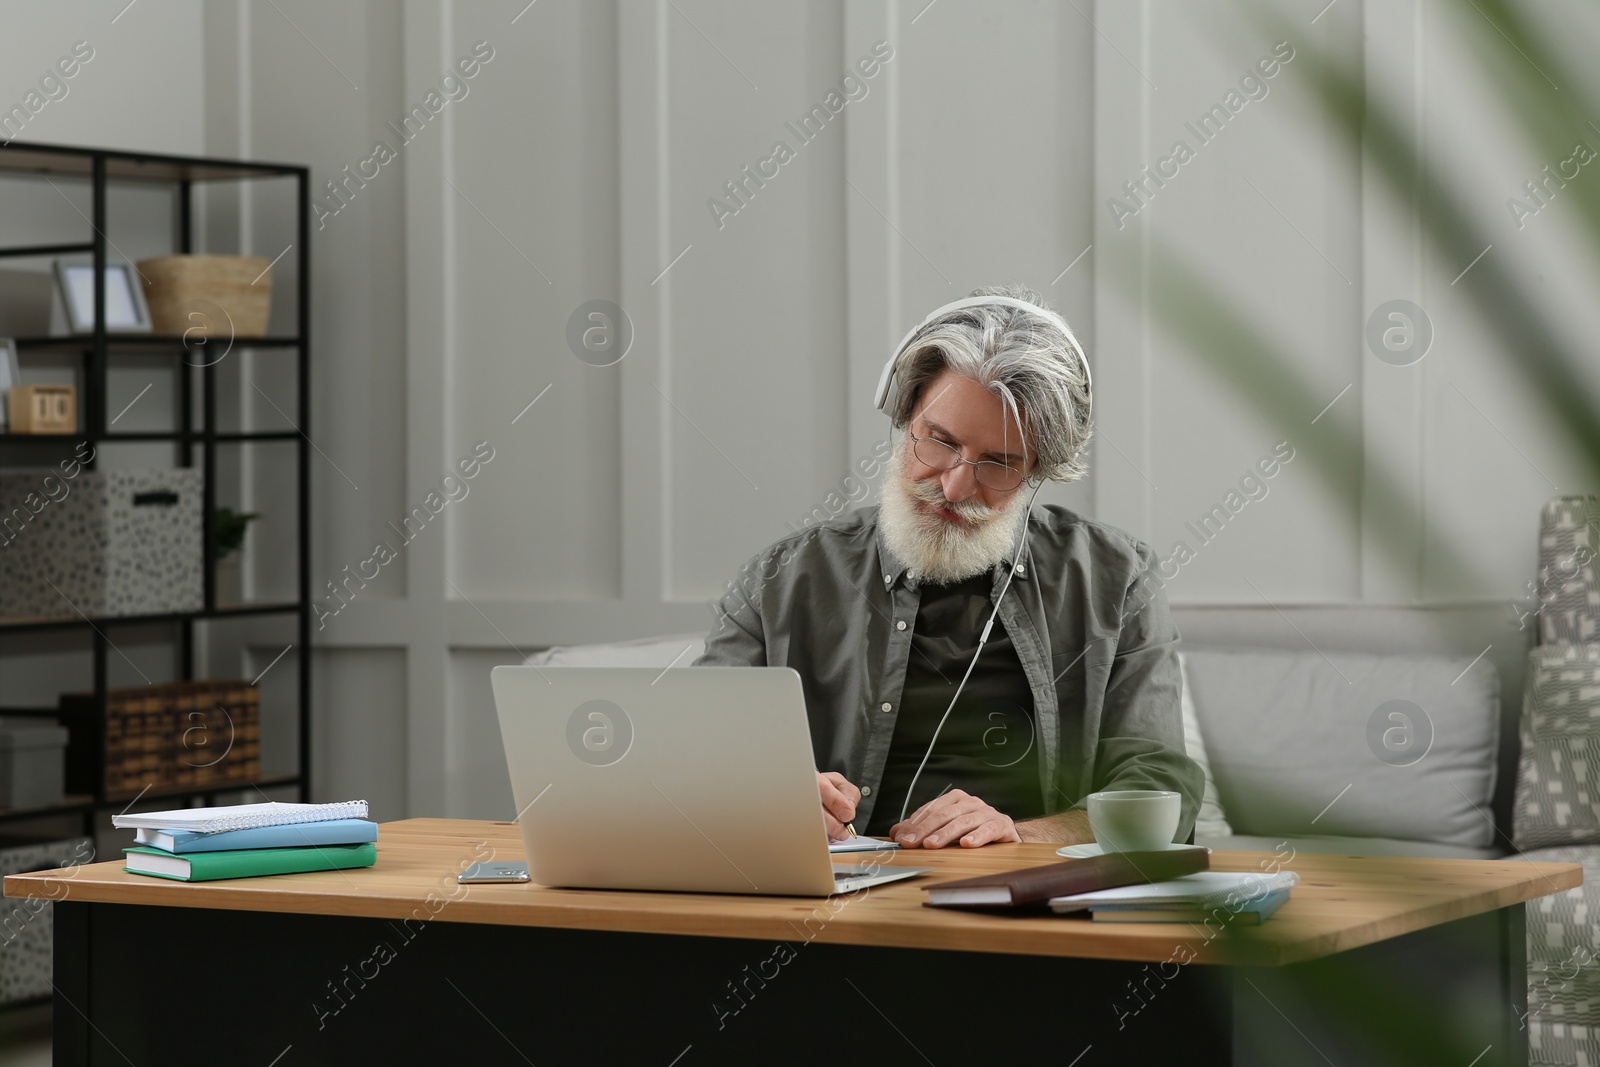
(295, 835)
(1248, 913)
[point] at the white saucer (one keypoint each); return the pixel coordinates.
(1083, 852)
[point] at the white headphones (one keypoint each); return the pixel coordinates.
(887, 396)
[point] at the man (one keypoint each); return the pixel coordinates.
(881, 611)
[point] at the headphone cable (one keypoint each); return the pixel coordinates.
(982, 639)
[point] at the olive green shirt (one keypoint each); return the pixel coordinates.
(1099, 651)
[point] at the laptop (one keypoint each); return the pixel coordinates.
(695, 779)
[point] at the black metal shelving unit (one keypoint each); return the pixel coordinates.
(102, 167)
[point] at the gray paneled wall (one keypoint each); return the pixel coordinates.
(597, 156)
(628, 152)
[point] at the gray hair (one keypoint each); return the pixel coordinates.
(1020, 356)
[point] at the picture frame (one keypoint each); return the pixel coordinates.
(126, 311)
(10, 375)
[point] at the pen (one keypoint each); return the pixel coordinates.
(851, 827)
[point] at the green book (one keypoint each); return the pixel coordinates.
(246, 862)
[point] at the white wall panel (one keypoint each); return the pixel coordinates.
(752, 421)
(1492, 451)
(533, 235)
(276, 80)
(1266, 214)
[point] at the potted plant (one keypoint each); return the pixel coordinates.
(229, 528)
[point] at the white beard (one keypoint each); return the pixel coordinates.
(932, 547)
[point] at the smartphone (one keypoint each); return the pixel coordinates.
(494, 871)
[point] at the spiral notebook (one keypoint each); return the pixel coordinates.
(240, 816)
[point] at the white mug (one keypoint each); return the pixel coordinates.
(1134, 820)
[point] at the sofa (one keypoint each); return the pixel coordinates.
(1301, 744)
(1403, 731)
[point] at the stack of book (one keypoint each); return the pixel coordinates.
(245, 840)
(1175, 885)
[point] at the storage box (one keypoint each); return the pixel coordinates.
(42, 408)
(107, 542)
(32, 755)
(164, 737)
(26, 935)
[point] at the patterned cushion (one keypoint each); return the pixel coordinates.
(1558, 791)
(1563, 1018)
(1557, 805)
(1567, 593)
(1553, 1044)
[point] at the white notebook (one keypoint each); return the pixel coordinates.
(241, 816)
(1202, 889)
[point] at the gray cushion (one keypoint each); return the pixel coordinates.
(1211, 821)
(1558, 785)
(1349, 846)
(1351, 744)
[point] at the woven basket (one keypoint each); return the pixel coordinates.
(208, 296)
(162, 737)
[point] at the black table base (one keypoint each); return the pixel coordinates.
(178, 986)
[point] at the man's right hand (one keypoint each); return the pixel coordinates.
(839, 800)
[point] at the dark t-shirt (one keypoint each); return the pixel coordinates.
(987, 746)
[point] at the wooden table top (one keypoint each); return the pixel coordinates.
(1341, 902)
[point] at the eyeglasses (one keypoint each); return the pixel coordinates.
(931, 452)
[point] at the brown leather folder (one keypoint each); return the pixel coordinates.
(1035, 885)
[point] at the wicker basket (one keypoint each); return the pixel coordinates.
(163, 737)
(208, 296)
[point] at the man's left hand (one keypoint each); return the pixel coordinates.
(957, 815)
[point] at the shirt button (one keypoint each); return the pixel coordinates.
(888, 706)
(866, 790)
(1021, 569)
(888, 577)
(901, 625)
